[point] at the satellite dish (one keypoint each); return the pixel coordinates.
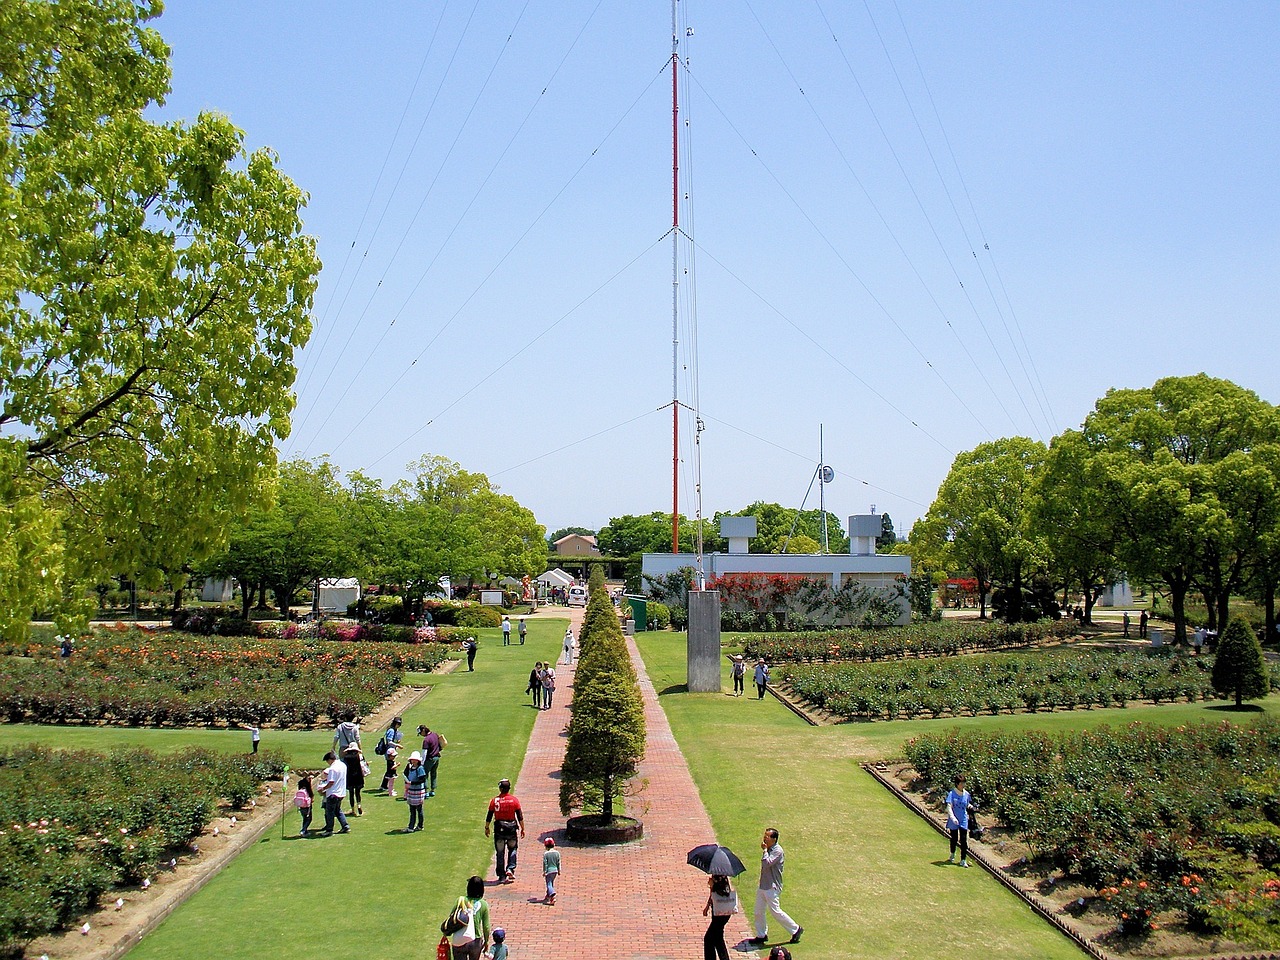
(828, 474)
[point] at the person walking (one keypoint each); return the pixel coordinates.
(347, 733)
(255, 736)
(432, 744)
(470, 646)
(506, 631)
(957, 801)
(548, 687)
(355, 762)
(550, 870)
(333, 784)
(1126, 624)
(761, 677)
(507, 822)
(1142, 625)
(535, 685)
(523, 630)
(469, 942)
(390, 749)
(722, 903)
(303, 799)
(568, 645)
(769, 890)
(739, 675)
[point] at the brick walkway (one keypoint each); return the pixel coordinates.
(638, 900)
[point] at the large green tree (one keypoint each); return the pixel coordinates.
(155, 284)
(301, 536)
(774, 523)
(1182, 472)
(1239, 669)
(1069, 515)
(979, 521)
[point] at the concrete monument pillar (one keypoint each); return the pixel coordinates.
(704, 641)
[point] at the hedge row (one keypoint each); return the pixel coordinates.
(894, 643)
(1165, 823)
(1001, 683)
(139, 679)
(78, 824)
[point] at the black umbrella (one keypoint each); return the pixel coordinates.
(716, 860)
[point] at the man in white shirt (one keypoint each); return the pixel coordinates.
(333, 784)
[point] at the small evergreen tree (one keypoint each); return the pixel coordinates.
(607, 729)
(1238, 667)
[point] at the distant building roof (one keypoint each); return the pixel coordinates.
(578, 536)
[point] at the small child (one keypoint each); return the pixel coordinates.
(393, 768)
(415, 790)
(550, 870)
(303, 800)
(499, 949)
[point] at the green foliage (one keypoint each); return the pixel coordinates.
(774, 522)
(1239, 669)
(938, 638)
(155, 284)
(79, 823)
(979, 521)
(475, 617)
(999, 683)
(659, 614)
(920, 596)
(607, 729)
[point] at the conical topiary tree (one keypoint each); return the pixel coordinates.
(607, 728)
(1238, 666)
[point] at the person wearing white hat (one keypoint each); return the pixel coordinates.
(415, 790)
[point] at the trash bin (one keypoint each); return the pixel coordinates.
(639, 611)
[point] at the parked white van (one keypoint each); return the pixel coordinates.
(577, 596)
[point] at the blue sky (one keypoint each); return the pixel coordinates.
(918, 225)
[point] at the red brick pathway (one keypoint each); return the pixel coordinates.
(638, 900)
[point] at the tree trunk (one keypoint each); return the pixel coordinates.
(177, 602)
(1178, 601)
(606, 800)
(1269, 603)
(1223, 613)
(982, 598)
(1211, 607)
(246, 601)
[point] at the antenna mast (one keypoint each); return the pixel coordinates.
(675, 281)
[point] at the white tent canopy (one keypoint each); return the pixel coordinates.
(555, 578)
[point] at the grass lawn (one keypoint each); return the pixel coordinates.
(344, 895)
(865, 876)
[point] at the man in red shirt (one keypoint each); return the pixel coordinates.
(507, 821)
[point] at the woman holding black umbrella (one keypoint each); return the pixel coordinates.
(722, 903)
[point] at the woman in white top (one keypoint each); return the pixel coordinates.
(722, 903)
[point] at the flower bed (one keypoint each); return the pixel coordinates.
(895, 643)
(141, 679)
(1166, 825)
(77, 824)
(1000, 683)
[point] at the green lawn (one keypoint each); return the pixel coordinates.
(327, 894)
(865, 876)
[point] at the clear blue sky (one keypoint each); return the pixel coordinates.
(490, 186)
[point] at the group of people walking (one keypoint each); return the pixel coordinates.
(344, 777)
(542, 684)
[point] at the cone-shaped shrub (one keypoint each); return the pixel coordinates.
(1238, 667)
(607, 729)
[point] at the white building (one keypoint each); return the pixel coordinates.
(861, 564)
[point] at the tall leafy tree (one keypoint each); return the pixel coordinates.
(979, 519)
(300, 537)
(155, 284)
(1176, 467)
(1070, 516)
